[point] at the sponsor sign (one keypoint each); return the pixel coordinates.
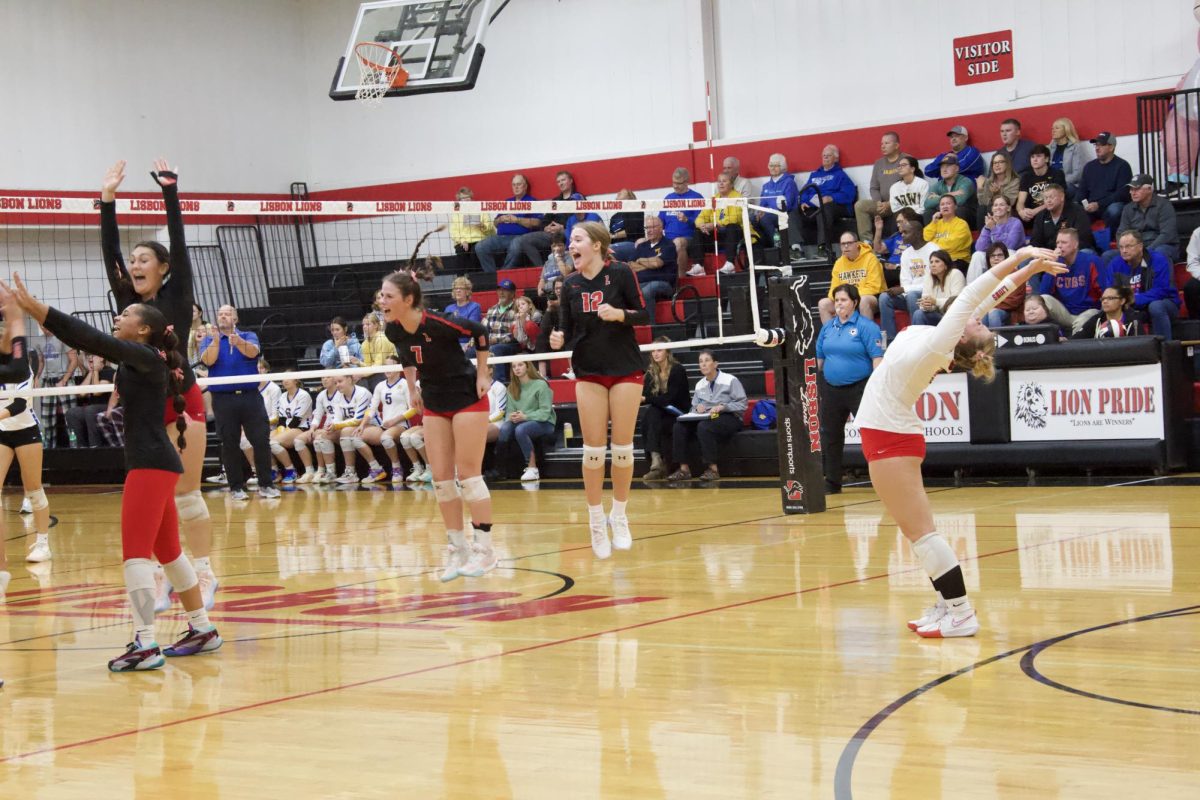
(983, 57)
(943, 407)
(1091, 403)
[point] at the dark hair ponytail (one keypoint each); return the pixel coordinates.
(167, 343)
(431, 264)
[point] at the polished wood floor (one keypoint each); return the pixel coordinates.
(733, 653)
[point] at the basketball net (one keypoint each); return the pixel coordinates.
(379, 70)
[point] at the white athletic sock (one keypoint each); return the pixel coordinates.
(43, 538)
(374, 465)
(618, 507)
(309, 471)
(202, 564)
(959, 605)
(139, 583)
(595, 513)
(199, 619)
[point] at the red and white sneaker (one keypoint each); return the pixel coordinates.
(951, 625)
(929, 615)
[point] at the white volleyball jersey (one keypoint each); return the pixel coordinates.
(26, 419)
(497, 401)
(270, 395)
(323, 414)
(390, 400)
(294, 411)
(355, 406)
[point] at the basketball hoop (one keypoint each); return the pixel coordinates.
(379, 70)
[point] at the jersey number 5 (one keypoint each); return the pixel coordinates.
(592, 301)
(416, 350)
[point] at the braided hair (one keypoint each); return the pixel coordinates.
(166, 341)
(431, 264)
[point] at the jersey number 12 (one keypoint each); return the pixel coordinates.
(592, 301)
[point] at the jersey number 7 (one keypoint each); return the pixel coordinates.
(416, 350)
(592, 301)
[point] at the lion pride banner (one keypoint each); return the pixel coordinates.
(1091, 403)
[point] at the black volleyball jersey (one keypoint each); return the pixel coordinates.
(142, 381)
(603, 348)
(447, 375)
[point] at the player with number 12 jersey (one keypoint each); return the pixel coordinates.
(602, 348)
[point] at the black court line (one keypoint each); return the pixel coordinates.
(845, 766)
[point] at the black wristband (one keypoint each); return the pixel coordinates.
(166, 173)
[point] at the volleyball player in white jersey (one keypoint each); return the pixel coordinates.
(293, 410)
(20, 435)
(14, 362)
(315, 436)
(892, 435)
(351, 406)
(389, 416)
(270, 397)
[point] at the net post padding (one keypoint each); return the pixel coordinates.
(379, 70)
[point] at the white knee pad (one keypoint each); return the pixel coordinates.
(244, 444)
(37, 500)
(276, 448)
(475, 489)
(298, 445)
(622, 455)
(190, 506)
(593, 457)
(445, 491)
(323, 446)
(349, 443)
(937, 557)
(388, 442)
(181, 573)
(416, 440)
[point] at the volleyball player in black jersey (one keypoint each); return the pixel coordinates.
(601, 302)
(14, 368)
(453, 398)
(163, 279)
(149, 376)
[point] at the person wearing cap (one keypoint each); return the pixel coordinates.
(1035, 180)
(953, 183)
(1151, 215)
(499, 321)
(970, 162)
(1013, 146)
(1149, 275)
(1104, 187)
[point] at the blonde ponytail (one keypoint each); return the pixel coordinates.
(977, 358)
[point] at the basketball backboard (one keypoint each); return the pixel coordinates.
(439, 43)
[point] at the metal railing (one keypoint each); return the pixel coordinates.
(1169, 140)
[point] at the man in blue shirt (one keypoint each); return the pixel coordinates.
(238, 407)
(970, 162)
(1149, 271)
(509, 230)
(679, 225)
(654, 264)
(1074, 298)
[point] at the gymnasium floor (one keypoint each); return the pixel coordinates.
(733, 653)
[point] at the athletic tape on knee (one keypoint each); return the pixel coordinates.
(388, 442)
(349, 443)
(276, 448)
(190, 506)
(445, 491)
(475, 489)
(622, 455)
(593, 457)
(181, 574)
(37, 500)
(936, 555)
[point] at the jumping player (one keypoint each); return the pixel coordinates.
(21, 435)
(163, 279)
(149, 374)
(893, 439)
(601, 302)
(14, 367)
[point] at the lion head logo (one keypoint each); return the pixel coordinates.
(1032, 407)
(794, 490)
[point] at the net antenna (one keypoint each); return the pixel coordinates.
(379, 70)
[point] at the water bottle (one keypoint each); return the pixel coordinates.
(775, 238)
(568, 432)
(72, 440)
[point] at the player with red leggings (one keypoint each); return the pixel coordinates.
(145, 348)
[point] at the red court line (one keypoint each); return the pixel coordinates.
(218, 617)
(517, 651)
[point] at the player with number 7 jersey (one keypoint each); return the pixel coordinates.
(447, 376)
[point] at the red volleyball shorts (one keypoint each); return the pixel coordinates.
(193, 406)
(479, 405)
(609, 381)
(878, 445)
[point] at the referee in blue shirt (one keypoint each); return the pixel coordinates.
(238, 406)
(849, 347)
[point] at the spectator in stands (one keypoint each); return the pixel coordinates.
(625, 227)
(654, 264)
(499, 321)
(111, 422)
(888, 250)
(238, 406)
(942, 284)
(1116, 317)
(341, 349)
(914, 262)
(1074, 298)
(998, 226)
(721, 396)
(1000, 181)
(196, 334)
(1150, 273)
(1007, 310)
(526, 325)
(884, 173)
(1036, 313)
(733, 168)
(573, 219)
(911, 188)
(1151, 215)
(950, 232)
(1058, 213)
(535, 245)
(1034, 181)
(1191, 289)
(83, 419)
(665, 394)
(849, 347)
(829, 198)
(679, 225)
(724, 225)
(1104, 186)
(509, 229)
(952, 183)
(550, 321)
(375, 345)
(558, 266)
(468, 230)
(463, 306)
(779, 191)
(529, 416)
(1012, 145)
(970, 162)
(858, 267)
(1068, 154)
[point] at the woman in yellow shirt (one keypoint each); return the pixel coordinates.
(375, 345)
(858, 267)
